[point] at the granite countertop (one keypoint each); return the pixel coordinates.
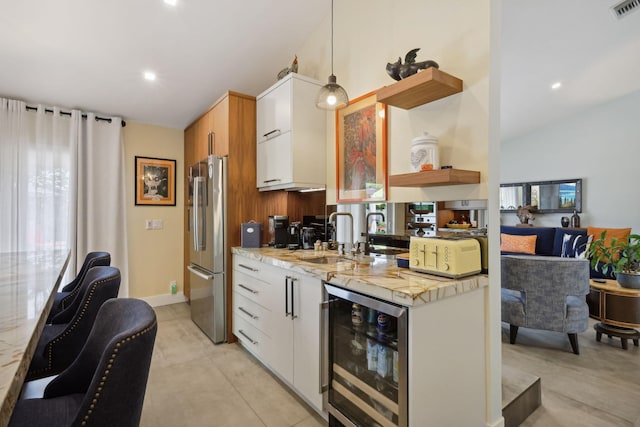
(28, 281)
(378, 277)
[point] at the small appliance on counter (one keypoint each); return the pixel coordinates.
(251, 234)
(320, 223)
(293, 231)
(445, 256)
(308, 237)
(278, 231)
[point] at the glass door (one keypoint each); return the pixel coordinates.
(366, 360)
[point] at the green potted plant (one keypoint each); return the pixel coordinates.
(620, 256)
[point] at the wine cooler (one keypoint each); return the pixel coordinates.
(364, 360)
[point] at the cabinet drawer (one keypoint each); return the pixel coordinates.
(256, 269)
(251, 288)
(250, 337)
(256, 315)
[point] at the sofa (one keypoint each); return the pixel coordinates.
(556, 241)
(545, 278)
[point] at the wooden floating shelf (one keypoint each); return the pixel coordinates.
(435, 178)
(423, 87)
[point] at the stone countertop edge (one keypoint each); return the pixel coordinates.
(381, 279)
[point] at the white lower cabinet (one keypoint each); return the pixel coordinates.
(276, 316)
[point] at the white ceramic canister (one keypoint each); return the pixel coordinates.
(424, 150)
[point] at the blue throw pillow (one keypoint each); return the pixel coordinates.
(559, 235)
(575, 245)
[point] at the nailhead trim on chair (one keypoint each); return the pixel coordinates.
(63, 301)
(114, 353)
(49, 347)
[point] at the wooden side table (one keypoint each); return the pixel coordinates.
(618, 310)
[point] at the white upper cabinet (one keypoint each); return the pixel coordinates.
(291, 136)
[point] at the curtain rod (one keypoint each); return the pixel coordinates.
(84, 116)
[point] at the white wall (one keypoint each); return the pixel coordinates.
(456, 34)
(601, 146)
(368, 35)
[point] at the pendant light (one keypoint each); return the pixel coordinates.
(332, 96)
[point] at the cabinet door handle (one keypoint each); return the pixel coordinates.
(268, 134)
(271, 180)
(293, 315)
(254, 342)
(248, 268)
(240, 285)
(286, 296)
(242, 309)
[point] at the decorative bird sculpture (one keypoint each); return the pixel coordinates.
(399, 71)
(287, 70)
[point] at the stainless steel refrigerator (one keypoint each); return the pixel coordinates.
(208, 242)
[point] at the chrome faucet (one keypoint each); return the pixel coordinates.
(333, 220)
(367, 249)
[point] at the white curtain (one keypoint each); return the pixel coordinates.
(62, 184)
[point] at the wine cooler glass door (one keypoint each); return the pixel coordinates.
(366, 359)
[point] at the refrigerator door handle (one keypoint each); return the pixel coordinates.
(200, 273)
(195, 214)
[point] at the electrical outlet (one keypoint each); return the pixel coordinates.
(173, 287)
(156, 224)
(148, 224)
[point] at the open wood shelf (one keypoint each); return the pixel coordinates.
(435, 178)
(423, 87)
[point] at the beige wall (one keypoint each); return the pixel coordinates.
(155, 256)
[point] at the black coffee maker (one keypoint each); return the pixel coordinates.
(294, 231)
(278, 231)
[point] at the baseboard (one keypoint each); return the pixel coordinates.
(497, 423)
(165, 299)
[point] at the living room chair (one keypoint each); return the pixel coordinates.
(547, 293)
(60, 343)
(106, 383)
(66, 295)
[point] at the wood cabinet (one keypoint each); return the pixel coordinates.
(290, 132)
(277, 317)
(231, 118)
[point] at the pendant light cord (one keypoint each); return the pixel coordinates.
(331, 37)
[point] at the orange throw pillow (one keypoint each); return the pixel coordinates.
(518, 244)
(619, 233)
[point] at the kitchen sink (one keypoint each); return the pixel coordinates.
(388, 251)
(327, 259)
(333, 259)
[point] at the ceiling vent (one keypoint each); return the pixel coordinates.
(625, 8)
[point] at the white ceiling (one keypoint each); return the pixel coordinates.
(91, 54)
(578, 42)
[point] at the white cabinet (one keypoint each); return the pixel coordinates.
(276, 316)
(291, 135)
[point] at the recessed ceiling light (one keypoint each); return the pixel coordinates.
(171, 2)
(556, 85)
(149, 75)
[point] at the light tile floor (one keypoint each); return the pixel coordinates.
(195, 383)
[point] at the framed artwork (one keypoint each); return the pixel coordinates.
(361, 151)
(155, 181)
